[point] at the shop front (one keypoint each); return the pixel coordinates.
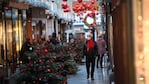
(12, 33)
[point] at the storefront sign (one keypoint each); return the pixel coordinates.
(18, 5)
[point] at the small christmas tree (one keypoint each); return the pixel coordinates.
(77, 50)
(48, 64)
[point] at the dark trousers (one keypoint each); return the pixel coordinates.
(90, 60)
(101, 59)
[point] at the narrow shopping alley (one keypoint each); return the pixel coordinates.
(44, 41)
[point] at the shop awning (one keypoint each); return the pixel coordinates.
(36, 3)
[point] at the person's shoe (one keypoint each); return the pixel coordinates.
(92, 78)
(97, 67)
(87, 76)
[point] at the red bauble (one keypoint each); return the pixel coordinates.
(93, 1)
(79, 1)
(88, 6)
(93, 14)
(84, 4)
(39, 78)
(64, 0)
(64, 5)
(45, 50)
(67, 10)
(40, 61)
(49, 70)
(89, 14)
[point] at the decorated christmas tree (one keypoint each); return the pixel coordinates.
(76, 49)
(48, 64)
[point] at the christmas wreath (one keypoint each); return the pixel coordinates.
(89, 24)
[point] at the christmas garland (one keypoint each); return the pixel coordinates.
(87, 24)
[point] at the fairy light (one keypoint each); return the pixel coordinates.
(139, 45)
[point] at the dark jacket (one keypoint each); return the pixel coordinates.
(91, 52)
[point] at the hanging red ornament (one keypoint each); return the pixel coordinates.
(79, 1)
(78, 14)
(88, 6)
(82, 8)
(74, 9)
(93, 14)
(89, 14)
(81, 18)
(67, 10)
(84, 4)
(93, 1)
(64, 5)
(64, 0)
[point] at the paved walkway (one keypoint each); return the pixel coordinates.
(101, 76)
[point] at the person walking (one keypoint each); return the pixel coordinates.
(101, 50)
(90, 51)
(54, 39)
(25, 47)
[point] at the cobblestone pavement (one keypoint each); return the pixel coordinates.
(101, 76)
